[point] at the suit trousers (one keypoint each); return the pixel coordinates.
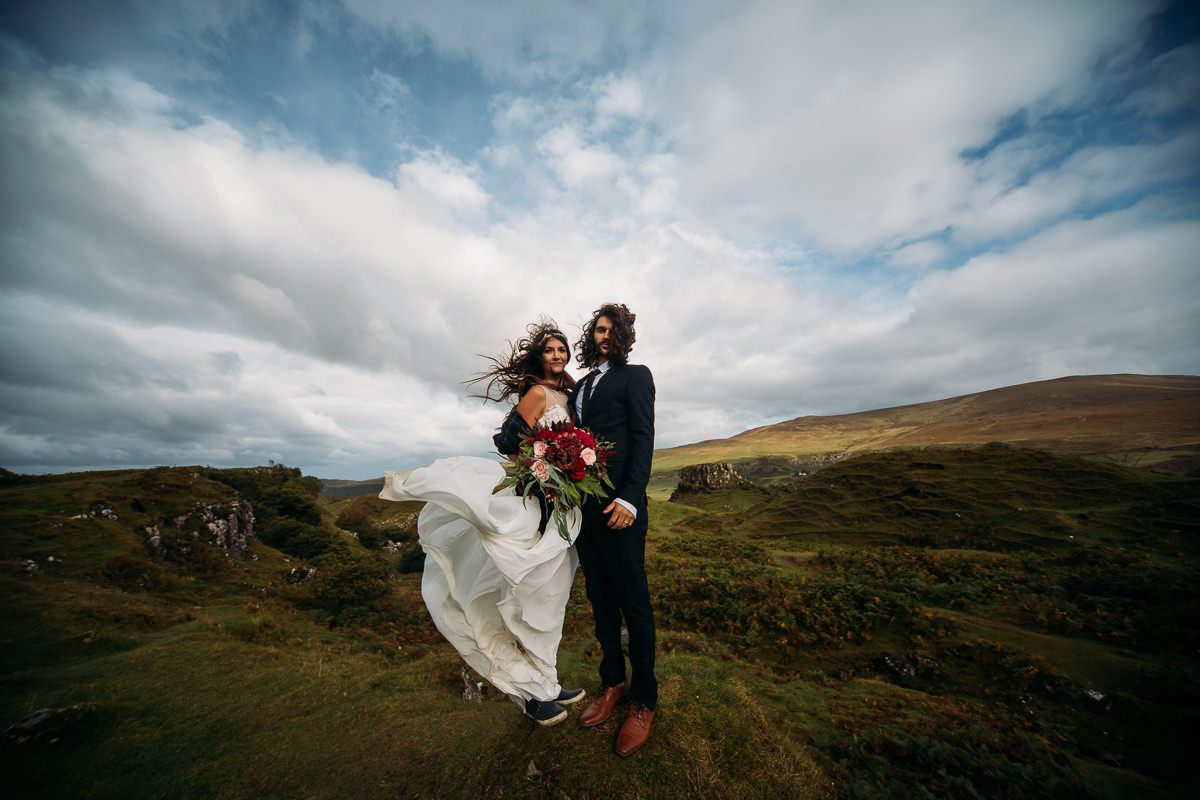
(614, 569)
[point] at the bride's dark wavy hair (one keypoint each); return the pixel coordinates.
(521, 370)
(620, 338)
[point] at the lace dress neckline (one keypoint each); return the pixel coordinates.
(556, 408)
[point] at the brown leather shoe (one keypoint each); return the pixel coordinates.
(635, 730)
(602, 707)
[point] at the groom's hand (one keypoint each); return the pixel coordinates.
(621, 518)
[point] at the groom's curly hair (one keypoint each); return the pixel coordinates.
(621, 338)
(521, 370)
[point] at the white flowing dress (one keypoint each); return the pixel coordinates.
(496, 588)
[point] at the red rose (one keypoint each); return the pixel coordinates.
(577, 474)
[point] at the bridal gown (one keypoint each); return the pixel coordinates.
(496, 588)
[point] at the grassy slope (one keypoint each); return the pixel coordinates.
(1097, 414)
(1003, 582)
(229, 685)
(900, 625)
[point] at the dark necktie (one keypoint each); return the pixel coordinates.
(586, 389)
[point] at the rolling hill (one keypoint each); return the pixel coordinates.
(1140, 420)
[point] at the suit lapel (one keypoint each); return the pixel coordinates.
(602, 389)
(574, 395)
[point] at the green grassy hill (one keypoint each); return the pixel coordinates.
(990, 622)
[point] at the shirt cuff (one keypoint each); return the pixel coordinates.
(632, 510)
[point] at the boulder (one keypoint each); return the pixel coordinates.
(706, 478)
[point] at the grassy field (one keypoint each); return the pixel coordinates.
(990, 622)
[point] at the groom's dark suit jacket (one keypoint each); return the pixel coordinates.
(621, 410)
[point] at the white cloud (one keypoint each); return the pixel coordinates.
(575, 161)
(513, 112)
(157, 395)
(445, 179)
(619, 96)
(919, 254)
(1113, 294)
(1076, 282)
(1090, 175)
(156, 221)
(852, 119)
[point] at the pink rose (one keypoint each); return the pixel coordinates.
(588, 455)
(540, 471)
(539, 449)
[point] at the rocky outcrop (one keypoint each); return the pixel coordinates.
(100, 508)
(228, 526)
(297, 575)
(472, 689)
(706, 478)
(47, 724)
(231, 527)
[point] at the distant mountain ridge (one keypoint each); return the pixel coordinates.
(332, 487)
(1149, 420)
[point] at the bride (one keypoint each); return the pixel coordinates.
(495, 586)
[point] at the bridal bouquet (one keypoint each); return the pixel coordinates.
(564, 463)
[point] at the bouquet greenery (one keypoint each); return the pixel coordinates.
(562, 462)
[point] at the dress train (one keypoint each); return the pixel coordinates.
(496, 588)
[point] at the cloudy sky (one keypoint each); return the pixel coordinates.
(240, 231)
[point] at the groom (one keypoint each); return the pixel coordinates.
(616, 401)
